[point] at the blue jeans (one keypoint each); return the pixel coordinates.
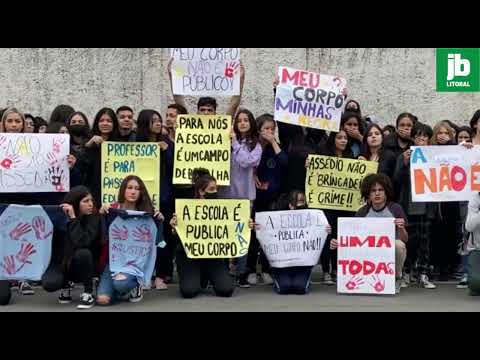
(294, 280)
(115, 289)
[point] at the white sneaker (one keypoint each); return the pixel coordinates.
(26, 288)
(398, 286)
(426, 283)
(463, 284)
(327, 279)
(252, 279)
(405, 281)
(267, 279)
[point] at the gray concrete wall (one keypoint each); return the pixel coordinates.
(385, 81)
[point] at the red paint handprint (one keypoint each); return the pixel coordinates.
(231, 69)
(57, 144)
(38, 224)
(142, 233)
(8, 265)
(9, 162)
(20, 230)
(120, 233)
(52, 159)
(354, 283)
(377, 285)
(24, 253)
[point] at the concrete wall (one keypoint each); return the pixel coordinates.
(385, 81)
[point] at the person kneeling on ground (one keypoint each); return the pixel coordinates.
(377, 191)
(193, 273)
(293, 280)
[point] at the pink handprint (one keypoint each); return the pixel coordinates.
(57, 143)
(8, 265)
(377, 285)
(142, 233)
(52, 159)
(9, 162)
(24, 253)
(120, 233)
(20, 230)
(231, 69)
(38, 224)
(354, 283)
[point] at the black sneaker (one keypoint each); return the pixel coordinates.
(87, 301)
(243, 282)
(136, 295)
(65, 296)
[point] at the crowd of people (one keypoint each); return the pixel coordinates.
(268, 167)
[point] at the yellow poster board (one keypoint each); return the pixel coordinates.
(213, 229)
(120, 160)
(334, 183)
(202, 141)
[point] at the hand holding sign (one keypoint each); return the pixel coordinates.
(20, 230)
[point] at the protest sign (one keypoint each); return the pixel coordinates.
(213, 229)
(444, 173)
(334, 183)
(203, 142)
(309, 99)
(292, 238)
(120, 160)
(25, 242)
(132, 245)
(34, 163)
(206, 71)
(366, 256)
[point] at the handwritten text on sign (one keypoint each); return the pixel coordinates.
(213, 229)
(25, 243)
(292, 238)
(132, 247)
(334, 183)
(309, 99)
(206, 71)
(120, 160)
(444, 173)
(34, 163)
(203, 142)
(366, 256)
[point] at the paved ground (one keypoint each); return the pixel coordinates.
(261, 298)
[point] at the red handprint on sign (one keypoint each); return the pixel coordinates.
(120, 233)
(20, 230)
(231, 69)
(24, 253)
(8, 265)
(142, 233)
(57, 143)
(52, 159)
(9, 162)
(354, 283)
(38, 224)
(377, 285)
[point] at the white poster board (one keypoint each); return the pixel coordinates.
(444, 173)
(366, 256)
(206, 71)
(31, 163)
(292, 238)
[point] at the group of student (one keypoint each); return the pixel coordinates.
(268, 167)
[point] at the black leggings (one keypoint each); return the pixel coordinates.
(81, 270)
(191, 273)
(5, 292)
